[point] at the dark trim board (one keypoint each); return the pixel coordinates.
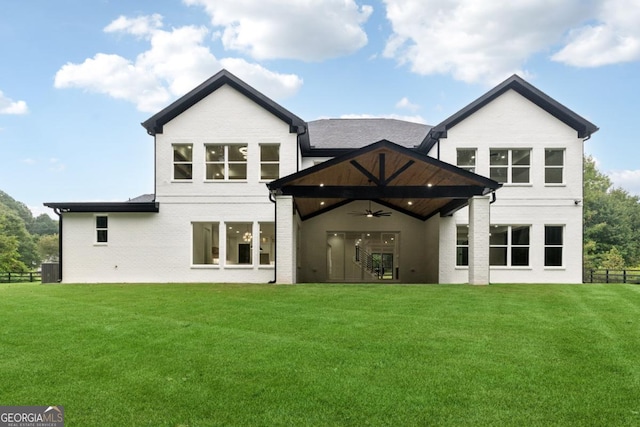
(384, 192)
(106, 207)
(155, 123)
(584, 127)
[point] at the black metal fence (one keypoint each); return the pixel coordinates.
(612, 276)
(32, 276)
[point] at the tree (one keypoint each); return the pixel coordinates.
(43, 225)
(611, 220)
(9, 255)
(48, 248)
(12, 226)
(613, 260)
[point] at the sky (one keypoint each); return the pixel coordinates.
(77, 77)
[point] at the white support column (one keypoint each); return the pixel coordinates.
(479, 223)
(285, 243)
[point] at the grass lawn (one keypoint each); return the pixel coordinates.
(316, 355)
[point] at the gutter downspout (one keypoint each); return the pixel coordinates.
(275, 248)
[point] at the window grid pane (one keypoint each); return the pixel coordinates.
(269, 161)
(226, 162)
(466, 159)
(462, 245)
(509, 245)
(102, 223)
(553, 241)
(510, 166)
(183, 161)
(554, 165)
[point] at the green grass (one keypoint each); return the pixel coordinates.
(316, 355)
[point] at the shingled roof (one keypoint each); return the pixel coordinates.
(331, 137)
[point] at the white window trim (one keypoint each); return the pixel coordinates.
(510, 166)
(268, 162)
(174, 162)
(509, 245)
(226, 162)
(545, 246)
(461, 246)
(96, 229)
(562, 167)
(475, 159)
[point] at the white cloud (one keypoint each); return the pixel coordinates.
(404, 103)
(478, 41)
(311, 30)
(627, 179)
(140, 26)
(274, 85)
(176, 62)
(9, 106)
(414, 119)
(614, 38)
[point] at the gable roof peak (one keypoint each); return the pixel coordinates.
(583, 127)
(155, 123)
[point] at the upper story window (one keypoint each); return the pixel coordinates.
(510, 166)
(553, 166)
(226, 161)
(269, 161)
(509, 245)
(466, 159)
(183, 161)
(102, 225)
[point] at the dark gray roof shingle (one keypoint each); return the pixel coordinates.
(357, 133)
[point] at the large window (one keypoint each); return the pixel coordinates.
(102, 223)
(226, 162)
(509, 245)
(239, 243)
(267, 243)
(553, 166)
(553, 242)
(206, 243)
(466, 159)
(269, 161)
(510, 166)
(183, 161)
(462, 245)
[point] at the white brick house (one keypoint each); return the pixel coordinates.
(246, 191)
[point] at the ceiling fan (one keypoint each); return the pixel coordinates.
(370, 213)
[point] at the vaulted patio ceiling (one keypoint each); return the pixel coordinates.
(389, 174)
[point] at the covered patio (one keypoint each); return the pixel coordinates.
(391, 177)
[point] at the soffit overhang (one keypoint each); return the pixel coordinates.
(394, 176)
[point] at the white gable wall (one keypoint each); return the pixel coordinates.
(158, 247)
(511, 122)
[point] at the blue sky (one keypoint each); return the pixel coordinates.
(77, 77)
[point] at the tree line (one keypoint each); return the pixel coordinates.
(611, 228)
(611, 222)
(25, 241)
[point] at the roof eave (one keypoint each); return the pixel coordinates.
(155, 123)
(583, 127)
(104, 207)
